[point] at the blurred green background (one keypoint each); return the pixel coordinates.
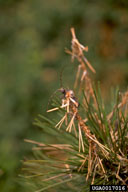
(33, 35)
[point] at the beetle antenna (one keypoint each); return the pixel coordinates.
(54, 93)
(61, 87)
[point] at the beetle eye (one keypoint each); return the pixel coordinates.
(63, 91)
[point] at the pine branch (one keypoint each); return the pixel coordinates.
(89, 150)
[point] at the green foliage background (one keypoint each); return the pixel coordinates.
(33, 35)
